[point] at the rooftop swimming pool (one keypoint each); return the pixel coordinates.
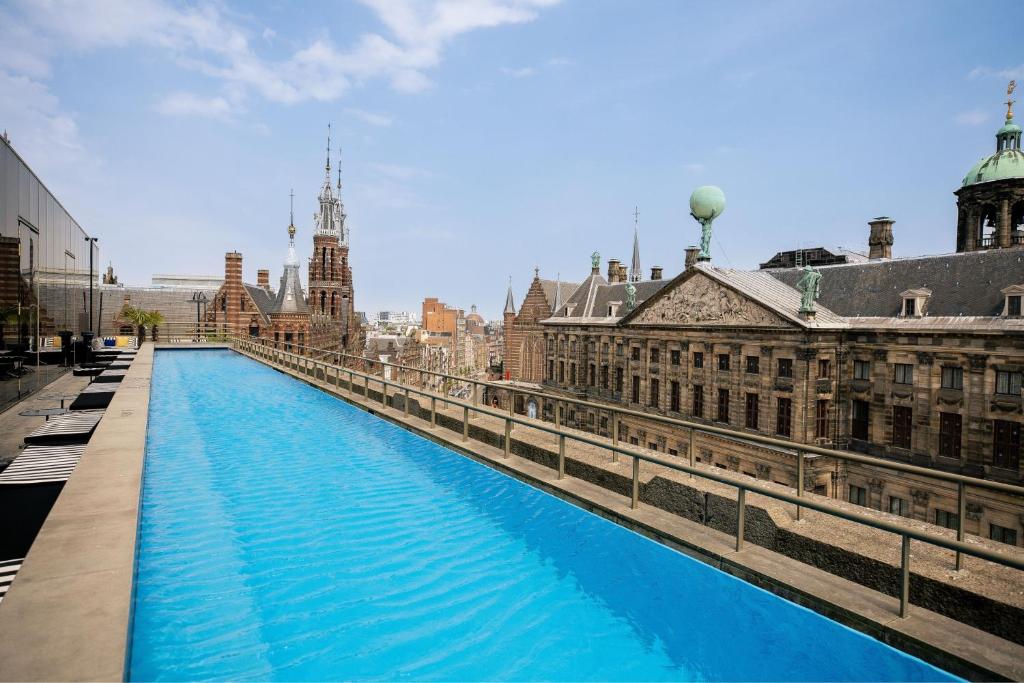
(288, 535)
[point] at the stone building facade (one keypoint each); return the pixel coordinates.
(524, 336)
(915, 360)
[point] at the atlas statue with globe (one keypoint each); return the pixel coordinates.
(706, 204)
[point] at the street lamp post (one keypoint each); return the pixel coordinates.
(92, 242)
(199, 299)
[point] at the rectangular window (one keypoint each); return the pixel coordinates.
(784, 417)
(753, 365)
(821, 419)
(861, 412)
(953, 378)
(698, 359)
(1002, 534)
(903, 373)
(593, 375)
(604, 376)
(653, 392)
(861, 369)
(824, 367)
(1006, 444)
(698, 401)
(674, 397)
(618, 349)
(618, 380)
(636, 389)
(899, 506)
(551, 369)
(675, 356)
(561, 372)
(901, 426)
(1008, 383)
(785, 367)
(653, 445)
(752, 410)
(950, 430)
(858, 495)
(572, 373)
(1013, 305)
(634, 352)
(723, 361)
(723, 405)
(655, 355)
(909, 306)
(947, 519)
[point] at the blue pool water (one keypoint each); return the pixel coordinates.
(287, 535)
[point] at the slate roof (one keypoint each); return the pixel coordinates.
(565, 290)
(774, 294)
(964, 284)
(589, 302)
(290, 298)
(263, 299)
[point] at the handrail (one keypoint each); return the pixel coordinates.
(907, 533)
(706, 428)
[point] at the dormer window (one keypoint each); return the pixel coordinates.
(915, 302)
(613, 308)
(1012, 301)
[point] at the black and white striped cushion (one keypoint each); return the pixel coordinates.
(8, 570)
(43, 465)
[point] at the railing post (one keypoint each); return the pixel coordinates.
(635, 501)
(961, 508)
(508, 437)
(905, 576)
(406, 406)
(558, 414)
(384, 394)
(615, 428)
(741, 517)
(465, 423)
(799, 480)
(366, 385)
(693, 449)
(350, 380)
(433, 411)
(561, 456)
(511, 403)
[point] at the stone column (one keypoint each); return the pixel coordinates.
(1003, 226)
(971, 240)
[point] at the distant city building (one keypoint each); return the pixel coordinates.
(190, 282)
(523, 354)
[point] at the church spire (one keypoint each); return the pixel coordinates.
(635, 271)
(510, 304)
(558, 293)
(327, 167)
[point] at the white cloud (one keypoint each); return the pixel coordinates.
(1008, 73)
(372, 118)
(187, 104)
(269, 34)
(974, 117)
(523, 72)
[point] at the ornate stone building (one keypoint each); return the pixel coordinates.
(916, 360)
(524, 336)
(326, 319)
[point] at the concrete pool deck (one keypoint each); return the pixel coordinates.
(68, 613)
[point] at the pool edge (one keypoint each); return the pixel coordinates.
(68, 614)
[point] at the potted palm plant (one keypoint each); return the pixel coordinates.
(152, 320)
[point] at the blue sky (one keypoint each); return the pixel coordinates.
(485, 137)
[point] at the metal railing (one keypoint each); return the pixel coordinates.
(315, 367)
(799, 450)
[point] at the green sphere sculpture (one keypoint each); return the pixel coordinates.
(706, 204)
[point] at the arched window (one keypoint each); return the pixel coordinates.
(334, 303)
(323, 302)
(988, 227)
(323, 261)
(1017, 223)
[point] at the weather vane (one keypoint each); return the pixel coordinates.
(1009, 99)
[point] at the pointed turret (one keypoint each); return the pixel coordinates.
(636, 273)
(510, 304)
(290, 298)
(558, 293)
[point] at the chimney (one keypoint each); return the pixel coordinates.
(655, 272)
(623, 273)
(233, 267)
(691, 256)
(263, 278)
(880, 239)
(613, 271)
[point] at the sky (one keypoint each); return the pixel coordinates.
(483, 138)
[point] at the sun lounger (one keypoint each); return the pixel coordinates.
(74, 427)
(95, 396)
(108, 376)
(42, 465)
(8, 570)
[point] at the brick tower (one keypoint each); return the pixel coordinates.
(331, 295)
